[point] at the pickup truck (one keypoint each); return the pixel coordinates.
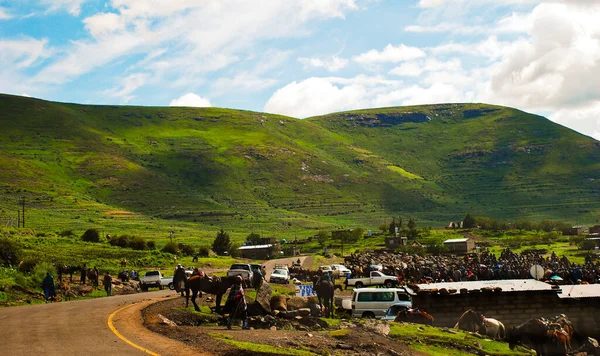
(151, 279)
(376, 279)
(245, 269)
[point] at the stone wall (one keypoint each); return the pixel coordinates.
(513, 308)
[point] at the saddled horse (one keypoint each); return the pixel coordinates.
(536, 334)
(416, 316)
(211, 285)
(324, 289)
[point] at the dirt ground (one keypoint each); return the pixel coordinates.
(360, 339)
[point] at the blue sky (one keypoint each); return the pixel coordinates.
(309, 57)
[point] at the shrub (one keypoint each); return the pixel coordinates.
(221, 244)
(587, 245)
(39, 273)
(234, 250)
(151, 245)
(186, 250)
(21, 280)
(170, 247)
(121, 241)
(66, 233)
(27, 266)
(203, 251)
(91, 235)
(138, 243)
(10, 252)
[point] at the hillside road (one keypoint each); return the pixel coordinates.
(82, 328)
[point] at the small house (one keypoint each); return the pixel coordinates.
(465, 245)
(259, 252)
(393, 243)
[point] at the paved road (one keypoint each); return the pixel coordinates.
(82, 328)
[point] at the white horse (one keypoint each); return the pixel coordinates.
(494, 328)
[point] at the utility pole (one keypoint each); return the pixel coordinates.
(18, 218)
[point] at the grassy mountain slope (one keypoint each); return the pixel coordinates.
(152, 168)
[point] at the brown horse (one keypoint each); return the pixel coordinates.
(211, 285)
(324, 289)
(471, 321)
(416, 316)
(535, 334)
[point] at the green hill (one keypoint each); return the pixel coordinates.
(198, 169)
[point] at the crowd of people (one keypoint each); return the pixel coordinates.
(472, 267)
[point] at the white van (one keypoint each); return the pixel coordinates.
(374, 302)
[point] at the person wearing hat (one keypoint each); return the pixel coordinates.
(236, 303)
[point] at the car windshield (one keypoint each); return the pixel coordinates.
(239, 267)
(152, 273)
(280, 271)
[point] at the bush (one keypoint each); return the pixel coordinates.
(138, 243)
(171, 248)
(39, 273)
(21, 280)
(235, 251)
(186, 250)
(10, 252)
(203, 251)
(587, 245)
(66, 233)
(27, 266)
(120, 241)
(151, 245)
(91, 235)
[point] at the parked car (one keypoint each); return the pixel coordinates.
(374, 302)
(343, 269)
(376, 278)
(243, 269)
(151, 279)
(168, 281)
(280, 275)
(394, 309)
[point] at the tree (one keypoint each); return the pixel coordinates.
(469, 221)
(221, 244)
(392, 227)
(322, 237)
(91, 235)
(253, 239)
(10, 252)
(412, 224)
(170, 247)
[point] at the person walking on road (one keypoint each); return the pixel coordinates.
(108, 284)
(49, 287)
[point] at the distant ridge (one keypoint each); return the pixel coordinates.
(210, 166)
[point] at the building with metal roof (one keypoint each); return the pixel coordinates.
(580, 291)
(506, 285)
(465, 245)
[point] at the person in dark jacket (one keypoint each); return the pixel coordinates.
(236, 304)
(107, 283)
(49, 287)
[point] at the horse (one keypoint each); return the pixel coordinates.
(535, 334)
(211, 285)
(416, 316)
(324, 290)
(494, 328)
(471, 321)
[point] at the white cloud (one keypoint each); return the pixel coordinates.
(390, 54)
(191, 99)
(127, 86)
(242, 81)
(554, 67)
(104, 23)
(583, 119)
(332, 64)
(413, 69)
(318, 96)
(315, 96)
(4, 15)
(73, 7)
(490, 48)
(23, 53)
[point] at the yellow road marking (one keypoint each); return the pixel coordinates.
(111, 326)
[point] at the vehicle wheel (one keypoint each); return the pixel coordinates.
(389, 284)
(171, 286)
(358, 285)
(368, 315)
(144, 288)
